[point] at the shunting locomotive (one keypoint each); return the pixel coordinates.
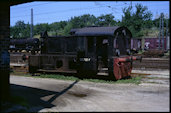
(89, 51)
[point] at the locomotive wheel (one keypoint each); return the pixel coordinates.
(86, 74)
(32, 69)
(80, 74)
(111, 76)
(91, 74)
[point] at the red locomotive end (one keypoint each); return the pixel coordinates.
(123, 66)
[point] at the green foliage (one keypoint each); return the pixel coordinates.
(39, 28)
(133, 80)
(156, 22)
(61, 77)
(20, 30)
(106, 20)
(63, 27)
(139, 22)
(57, 27)
(67, 29)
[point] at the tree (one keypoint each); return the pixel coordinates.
(67, 28)
(39, 28)
(88, 20)
(106, 20)
(63, 27)
(20, 30)
(17, 29)
(136, 21)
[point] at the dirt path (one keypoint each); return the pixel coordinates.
(49, 95)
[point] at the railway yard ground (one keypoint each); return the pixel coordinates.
(36, 94)
(55, 95)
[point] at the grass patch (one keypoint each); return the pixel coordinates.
(99, 81)
(61, 77)
(134, 80)
(54, 76)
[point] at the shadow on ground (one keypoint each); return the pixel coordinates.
(33, 96)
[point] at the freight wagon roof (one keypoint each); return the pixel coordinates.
(96, 31)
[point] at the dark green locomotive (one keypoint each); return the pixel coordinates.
(89, 51)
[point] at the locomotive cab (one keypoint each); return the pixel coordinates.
(105, 51)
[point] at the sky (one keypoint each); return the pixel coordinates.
(56, 11)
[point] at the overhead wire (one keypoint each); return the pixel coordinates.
(14, 9)
(29, 5)
(53, 12)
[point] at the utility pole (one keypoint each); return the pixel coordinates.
(156, 17)
(167, 38)
(31, 26)
(162, 31)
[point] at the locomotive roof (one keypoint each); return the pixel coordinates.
(97, 31)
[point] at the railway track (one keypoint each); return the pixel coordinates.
(19, 67)
(152, 63)
(17, 64)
